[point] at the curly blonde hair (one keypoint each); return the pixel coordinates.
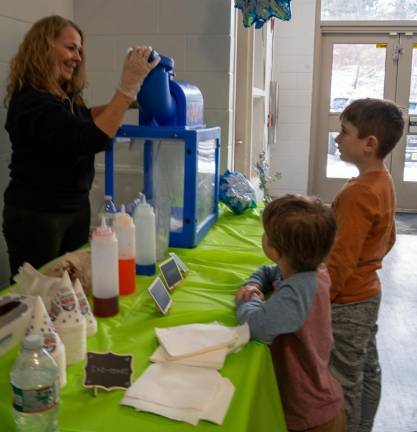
(34, 64)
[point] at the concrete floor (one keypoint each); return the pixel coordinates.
(397, 337)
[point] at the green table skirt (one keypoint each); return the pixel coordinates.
(218, 266)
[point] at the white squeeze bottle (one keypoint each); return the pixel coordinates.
(104, 271)
(125, 232)
(144, 218)
(35, 382)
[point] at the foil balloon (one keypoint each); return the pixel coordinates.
(258, 12)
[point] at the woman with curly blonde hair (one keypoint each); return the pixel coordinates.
(54, 139)
(33, 65)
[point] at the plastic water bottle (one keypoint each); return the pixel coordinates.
(145, 233)
(35, 382)
(125, 232)
(108, 210)
(130, 207)
(104, 271)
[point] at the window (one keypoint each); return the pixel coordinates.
(362, 10)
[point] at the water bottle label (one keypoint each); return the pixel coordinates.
(32, 401)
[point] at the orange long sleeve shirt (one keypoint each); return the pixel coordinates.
(364, 210)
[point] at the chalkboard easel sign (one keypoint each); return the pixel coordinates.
(108, 371)
(170, 272)
(181, 265)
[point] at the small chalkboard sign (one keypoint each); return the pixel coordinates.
(108, 371)
(181, 265)
(170, 273)
(160, 295)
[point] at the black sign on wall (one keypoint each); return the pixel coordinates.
(108, 370)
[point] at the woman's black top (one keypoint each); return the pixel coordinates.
(53, 147)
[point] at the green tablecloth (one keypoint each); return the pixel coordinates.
(228, 254)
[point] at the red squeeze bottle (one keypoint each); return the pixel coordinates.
(125, 232)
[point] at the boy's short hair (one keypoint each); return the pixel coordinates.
(381, 118)
(301, 228)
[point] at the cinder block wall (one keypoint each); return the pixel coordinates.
(197, 34)
(16, 17)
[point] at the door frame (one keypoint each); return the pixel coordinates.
(406, 190)
(254, 50)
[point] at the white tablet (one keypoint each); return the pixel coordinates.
(160, 295)
(170, 272)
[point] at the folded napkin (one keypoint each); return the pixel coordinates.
(211, 359)
(243, 336)
(181, 392)
(192, 339)
(31, 282)
(215, 412)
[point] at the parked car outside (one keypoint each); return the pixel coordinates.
(339, 103)
(412, 107)
(411, 149)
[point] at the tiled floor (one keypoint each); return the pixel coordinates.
(397, 340)
(406, 223)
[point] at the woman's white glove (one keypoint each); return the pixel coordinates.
(135, 69)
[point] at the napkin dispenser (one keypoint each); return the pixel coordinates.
(15, 313)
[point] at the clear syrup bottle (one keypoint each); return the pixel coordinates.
(104, 271)
(145, 233)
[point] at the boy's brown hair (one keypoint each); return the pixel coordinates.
(301, 228)
(381, 118)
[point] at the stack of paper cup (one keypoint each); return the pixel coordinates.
(40, 324)
(68, 320)
(85, 308)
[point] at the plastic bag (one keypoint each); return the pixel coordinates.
(236, 192)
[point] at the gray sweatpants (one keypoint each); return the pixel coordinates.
(354, 360)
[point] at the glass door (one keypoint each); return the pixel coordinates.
(358, 66)
(404, 156)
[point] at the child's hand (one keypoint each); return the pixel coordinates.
(248, 292)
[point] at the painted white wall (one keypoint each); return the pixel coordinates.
(293, 70)
(16, 17)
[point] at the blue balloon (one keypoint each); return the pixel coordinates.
(258, 12)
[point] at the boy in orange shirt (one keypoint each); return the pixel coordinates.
(364, 210)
